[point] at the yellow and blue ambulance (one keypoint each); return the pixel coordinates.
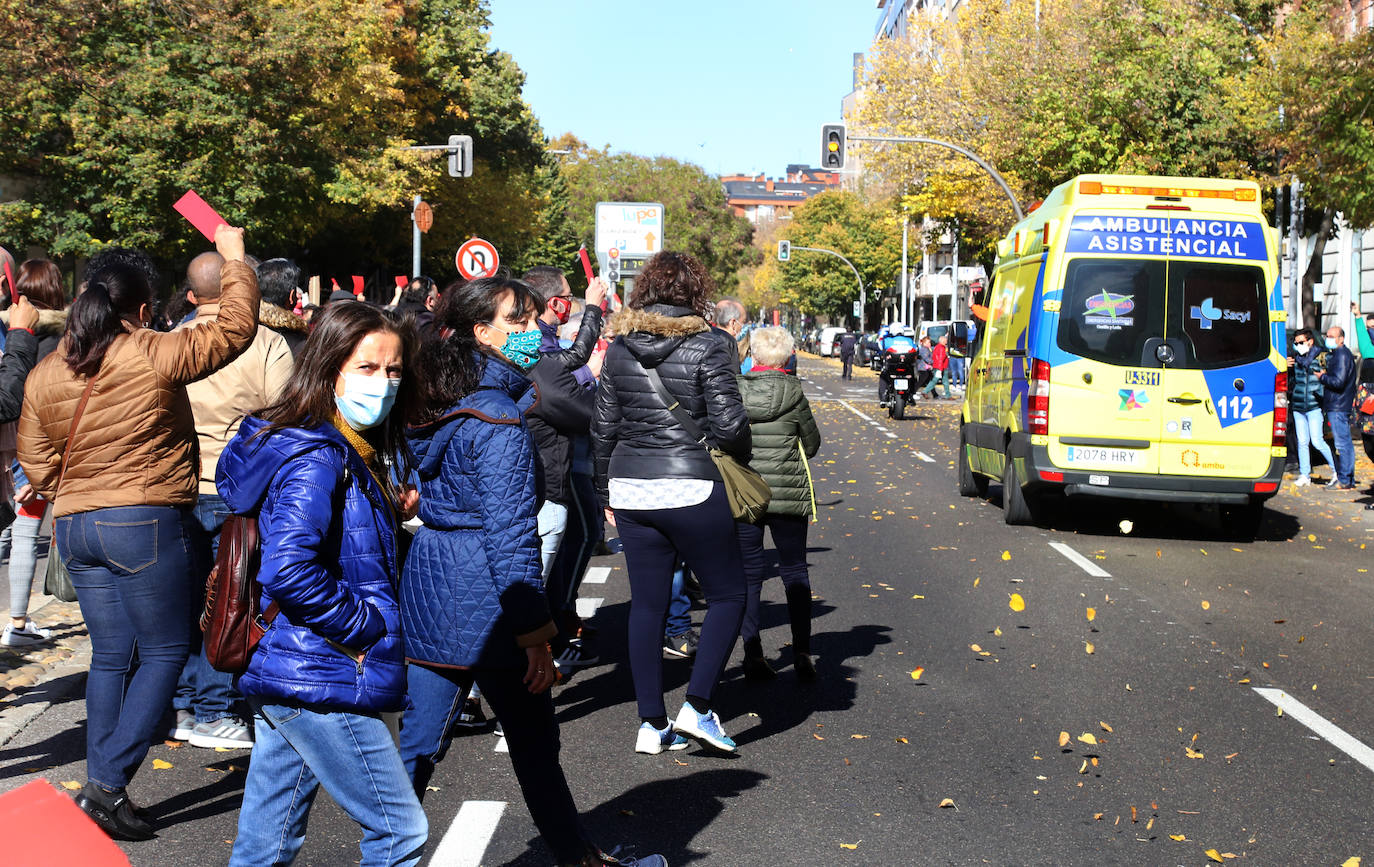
(1133, 349)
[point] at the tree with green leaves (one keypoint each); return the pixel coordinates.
(696, 218)
(291, 118)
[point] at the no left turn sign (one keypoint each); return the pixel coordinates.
(477, 258)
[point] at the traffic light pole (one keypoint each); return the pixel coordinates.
(906, 139)
(863, 295)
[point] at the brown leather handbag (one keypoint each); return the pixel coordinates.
(231, 621)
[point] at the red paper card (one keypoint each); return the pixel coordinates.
(199, 214)
(335, 283)
(586, 262)
(357, 285)
(9, 280)
(402, 281)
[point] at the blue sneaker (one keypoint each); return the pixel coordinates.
(704, 728)
(651, 741)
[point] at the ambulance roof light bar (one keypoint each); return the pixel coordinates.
(1098, 188)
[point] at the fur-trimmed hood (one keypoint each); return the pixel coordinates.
(653, 333)
(49, 321)
(280, 318)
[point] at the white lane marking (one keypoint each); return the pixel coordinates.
(925, 457)
(596, 575)
(501, 745)
(889, 434)
(466, 840)
(586, 606)
(1080, 561)
(847, 405)
(1334, 734)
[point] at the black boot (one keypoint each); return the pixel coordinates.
(755, 666)
(114, 813)
(799, 614)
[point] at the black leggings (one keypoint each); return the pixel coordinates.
(704, 536)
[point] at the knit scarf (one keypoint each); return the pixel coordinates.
(364, 450)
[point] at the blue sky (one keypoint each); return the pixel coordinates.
(739, 86)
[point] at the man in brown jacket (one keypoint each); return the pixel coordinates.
(205, 699)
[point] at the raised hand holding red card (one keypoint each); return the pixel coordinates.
(199, 214)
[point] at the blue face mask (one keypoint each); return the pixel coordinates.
(522, 348)
(366, 399)
(1331, 343)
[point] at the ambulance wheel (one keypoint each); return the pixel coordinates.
(1017, 508)
(1242, 522)
(971, 484)
(897, 409)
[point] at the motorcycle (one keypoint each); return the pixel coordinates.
(898, 378)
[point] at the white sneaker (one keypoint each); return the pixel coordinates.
(25, 635)
(652, 741)
(1302, 480)
(706, 729)
(229, 732)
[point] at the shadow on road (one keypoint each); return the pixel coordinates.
(663, 816)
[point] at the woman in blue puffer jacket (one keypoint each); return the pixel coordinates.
(472, 600)
(314, 469)
(1305, 405)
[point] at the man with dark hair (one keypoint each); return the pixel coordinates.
(550, 283)
(418, 300)
(279, 280)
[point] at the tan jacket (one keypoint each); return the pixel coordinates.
(245, 385)
(136, 443)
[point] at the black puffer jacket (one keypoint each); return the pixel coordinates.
(563, 411)
(634, 436)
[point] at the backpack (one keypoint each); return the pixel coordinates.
(231, 621)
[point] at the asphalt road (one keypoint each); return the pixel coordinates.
(1091, 693)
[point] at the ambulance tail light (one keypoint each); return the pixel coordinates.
(1280, 434)
(1038, 398)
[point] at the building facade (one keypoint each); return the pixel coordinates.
(761, 199)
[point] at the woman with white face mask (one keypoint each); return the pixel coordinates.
(1306, 362)
(315, 469)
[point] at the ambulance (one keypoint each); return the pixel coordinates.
(1133, 349)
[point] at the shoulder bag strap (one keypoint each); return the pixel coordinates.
(71, 433)
(674, 406)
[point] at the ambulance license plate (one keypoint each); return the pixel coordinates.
(900, 384)
(1101, 455)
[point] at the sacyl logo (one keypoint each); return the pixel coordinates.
(1208, 312)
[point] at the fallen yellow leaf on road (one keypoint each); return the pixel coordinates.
(975, 581)
(1088, 738)
(161, 764)
(858, 737)
(1088, 646)
(1214, 855)
(1206, 605)
(850, 845)
(1063, 739)
(71, 784)
(997, 631)
(1006, 555)
(1354, 860)
(1311, 537)
(946, 803)
(1016, 603)
(1179, 837)
(975, 648)
(1092, 614)
(902, 741)
(1192, 753)
(1083, 768)
(917, 672)
(1105, 727)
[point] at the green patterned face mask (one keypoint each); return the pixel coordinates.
(522, 348)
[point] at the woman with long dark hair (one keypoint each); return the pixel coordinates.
(316, 470)
(107, 434)
(472, 601)
(663, 492)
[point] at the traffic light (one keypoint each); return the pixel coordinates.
(612, 274)
(460, 156)
(832, 146)
(784, 251)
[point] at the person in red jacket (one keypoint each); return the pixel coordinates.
(939, 362)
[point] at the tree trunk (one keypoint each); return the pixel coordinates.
(1311, 307)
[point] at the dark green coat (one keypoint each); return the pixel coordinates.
(779, 418)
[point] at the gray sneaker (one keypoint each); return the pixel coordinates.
(184, 726)
(230, 732)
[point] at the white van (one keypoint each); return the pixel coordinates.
(830, 345)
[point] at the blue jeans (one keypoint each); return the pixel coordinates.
(1307, 426)
(956, 369)
(353, 756)
(1345, 449)
(679, 605)
(552, 523)
(131, 568)
(202, 689)
(436, 698)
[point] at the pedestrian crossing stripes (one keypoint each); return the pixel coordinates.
(596, 575)
(586, 606)
(467, 837)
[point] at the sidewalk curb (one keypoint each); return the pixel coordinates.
(53, 683)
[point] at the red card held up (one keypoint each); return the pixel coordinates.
(402, 281)
(357, 285)
(9, 281)
(199, 214)
(586, 262)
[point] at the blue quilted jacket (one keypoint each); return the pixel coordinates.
(471, 593)
(329, 562)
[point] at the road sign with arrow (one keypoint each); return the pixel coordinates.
(635, 229)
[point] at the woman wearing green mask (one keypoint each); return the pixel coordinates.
(472, 603)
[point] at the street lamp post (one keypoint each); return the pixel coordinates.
(983, 164)
(863, 295)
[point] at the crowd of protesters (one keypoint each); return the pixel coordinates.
(471, 444)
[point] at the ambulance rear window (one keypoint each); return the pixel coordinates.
(1111, 307)
(1223, 310)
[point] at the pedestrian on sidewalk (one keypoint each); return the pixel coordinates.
(119, 464)
(1339, 382)
(472, 600)
(208, 708)
(1306, 403)
(662, 490)
(39, 281)
(315, 469)
(939, 365)
(784, 435)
